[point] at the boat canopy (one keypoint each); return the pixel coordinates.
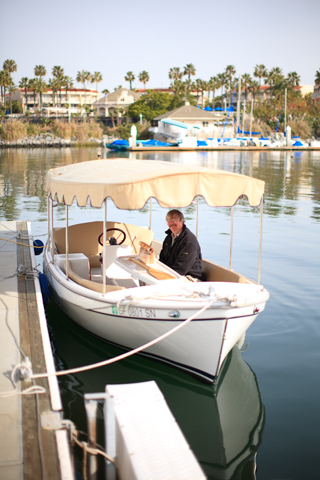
(130, 183)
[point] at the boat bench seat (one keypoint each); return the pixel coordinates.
(83, 238)
(216, 273)
(97, 287)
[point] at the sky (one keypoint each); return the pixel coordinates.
(114, 37)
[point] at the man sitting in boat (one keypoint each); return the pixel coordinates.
(181, 250)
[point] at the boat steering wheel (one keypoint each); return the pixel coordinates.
(112, 239)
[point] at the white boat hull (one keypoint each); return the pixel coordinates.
(133, 317)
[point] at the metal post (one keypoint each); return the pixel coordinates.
(67, 241)
(104, 260)
(238, 106)
(51, 219)
(244, 109)
(251, 117)
(150, 214)
(231, 239)
(91, 411)
(197, 217)
(260, 239)
(285, 109)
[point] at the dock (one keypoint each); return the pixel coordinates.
(33, 443)
(221, 149)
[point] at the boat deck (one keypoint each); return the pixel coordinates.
(29, 449)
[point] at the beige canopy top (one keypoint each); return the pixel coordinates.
(130, 183)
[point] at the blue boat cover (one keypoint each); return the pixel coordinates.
(208, 109)
(120, 142)
(297, 144)
(201, 143)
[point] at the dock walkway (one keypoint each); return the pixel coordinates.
(32, 443)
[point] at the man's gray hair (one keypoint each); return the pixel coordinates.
(173, 213)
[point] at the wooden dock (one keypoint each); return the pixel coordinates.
(33, 443)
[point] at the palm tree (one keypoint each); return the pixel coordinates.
(11, 89)
(177, 87)
(274, 77)
(144, 77)
(5, 82)
(317, 80)
(189, 70)
(67, 83)
(213, 85)
(54, 85)
(253, 87)
(40, 86)
(230, 71)
(58, 73)
(222, 80)
(83, 77)
(40, 71)
(105, 91)
(32, 87)
(130, 78)
(10, 66)
(245, 82)
(175, 74)
(24, 83)
(293, 79)
(199, 85)
(96, 78)
(260, 72)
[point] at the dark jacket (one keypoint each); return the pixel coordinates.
(184, 256)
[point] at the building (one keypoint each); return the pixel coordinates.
(58, 103)
(112, 103)
(201, 123)
(316, 93)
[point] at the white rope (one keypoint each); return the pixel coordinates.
(127, 354)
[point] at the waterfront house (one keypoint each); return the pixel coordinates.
(116, 102)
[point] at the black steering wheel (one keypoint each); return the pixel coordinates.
(113, 239)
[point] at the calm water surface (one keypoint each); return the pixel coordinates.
(268, 397)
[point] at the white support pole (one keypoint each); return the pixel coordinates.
(231, 239)
(260, 239)
(285, 109)
(150, 213)
(67, 240)
(104, 260)
(251, 113)
(197, 217)
(238, 106)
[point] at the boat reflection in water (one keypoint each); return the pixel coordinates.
(223, 424)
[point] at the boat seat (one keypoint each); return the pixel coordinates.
(83, 238)
(217, 273)
(97, 287)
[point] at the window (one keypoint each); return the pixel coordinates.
(205, 124)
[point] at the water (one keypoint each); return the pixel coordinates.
(278, 379)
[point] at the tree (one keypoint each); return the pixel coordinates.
(10, 66)
(212, 85)
(96, 78)
(33, 87)
(83, 77)
(130, 78)
(24, 83)
(189, 70)
(67, 83)
(222, 80)
(274, 77)
(5, 82)
(175, 74)
(58, 73)
(153, 104)
(11, 89)
(245, 82)
(40, 71)
(317, 79)
(230, 71)
(105, 91)
(178, 87)
(253, 87)
(144, 77)
(40, 86)
(293, 79)
(260, 72)
(54, 85)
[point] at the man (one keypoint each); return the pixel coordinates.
(181, 250)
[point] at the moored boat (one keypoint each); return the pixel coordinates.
(98, 279)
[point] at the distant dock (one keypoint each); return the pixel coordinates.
(221, 149)
(32, 443)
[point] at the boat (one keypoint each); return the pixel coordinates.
(97, 276)
(118, 145)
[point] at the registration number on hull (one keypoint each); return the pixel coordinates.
(134, 312)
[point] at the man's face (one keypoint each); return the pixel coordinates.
(175, 224)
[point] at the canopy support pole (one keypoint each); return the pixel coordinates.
(104, 259)
(260, 239)
(231, 239)
(197, 217)
(150, 214)
(50, 225)
(67, 240)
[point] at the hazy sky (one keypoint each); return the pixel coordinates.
(114, 37)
